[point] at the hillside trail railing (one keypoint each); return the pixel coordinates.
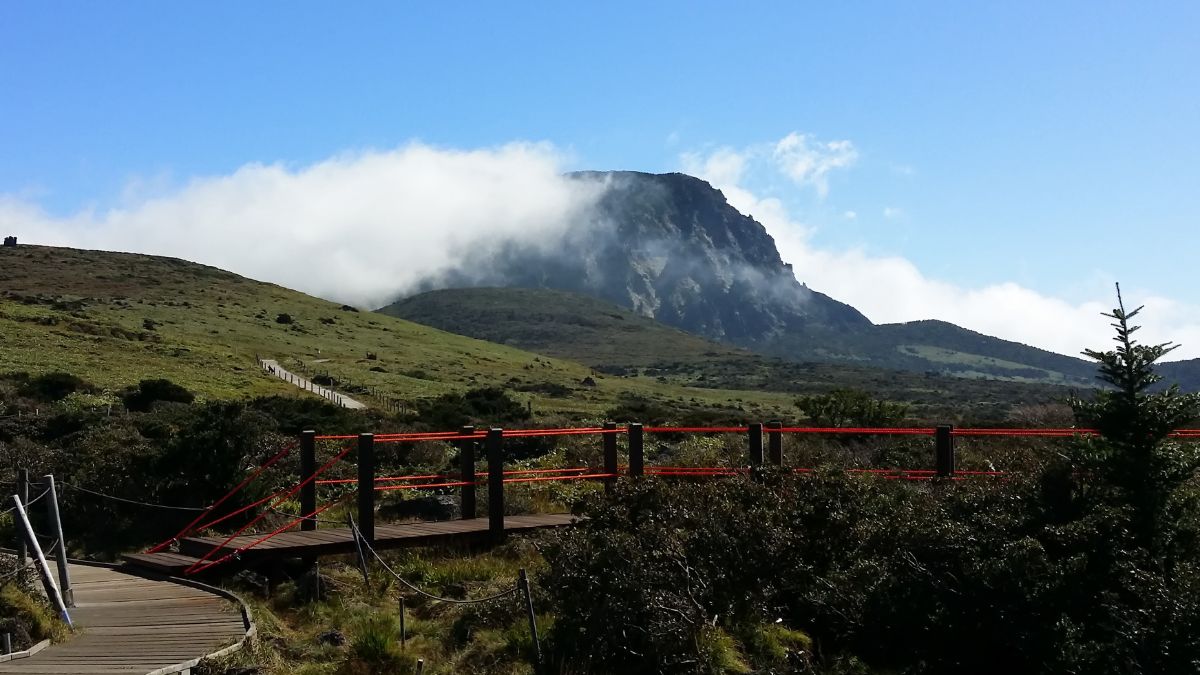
(764, 448)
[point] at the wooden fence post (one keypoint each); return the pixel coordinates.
(23, 493)
(466, 474)
(775, 443)
(495, 459)
(756, 444)
(637, 450)
(366, 487)
(610, 454)
(943, 441)
(308, 466)
(60, 552)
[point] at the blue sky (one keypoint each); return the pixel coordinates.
(1048, 145)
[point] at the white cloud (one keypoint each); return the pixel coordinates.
(808, 162)
(850, 215)
(892, 212)
(891, 289)
(354, 228)
(801, 158)
(723, 166)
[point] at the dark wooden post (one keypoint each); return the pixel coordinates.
(60, 551)
(637, 450)
(366, 487)
(775, 443)
(495, 459)
(756, 444)
(23, 493)
(466, 474)
(944, 447)
(610, 454)
(308, 466)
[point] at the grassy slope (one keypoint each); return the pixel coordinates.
(578, 327)
(603, 335)
(87, 312)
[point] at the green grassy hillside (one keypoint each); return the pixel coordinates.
(615, 340)
(116, 318)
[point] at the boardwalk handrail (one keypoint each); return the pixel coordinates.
(764, 449)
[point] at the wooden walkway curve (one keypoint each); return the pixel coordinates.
(335, 540)
(136, 624)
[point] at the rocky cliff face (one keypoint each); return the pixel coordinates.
(671, 248)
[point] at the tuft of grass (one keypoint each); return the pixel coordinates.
(31, 613)
(720, 653)
(777, 646)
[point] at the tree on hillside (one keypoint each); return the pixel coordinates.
(1136, 455)
(851, 408)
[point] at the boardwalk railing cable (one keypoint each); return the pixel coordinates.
(423, 592)
(133, 501)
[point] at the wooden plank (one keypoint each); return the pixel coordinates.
(135, 625)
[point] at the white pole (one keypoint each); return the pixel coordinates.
(43, 568)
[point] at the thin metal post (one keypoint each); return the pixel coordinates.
(610, 454)
(42, 567)
(23, 493)
(362, 556)
(775, 443)
(523, 584)
(60, 552)
(495, 458)
(637, 450)
(403, 635)
(466, 474)
(366, 487)
(943, 441)
(308, 466)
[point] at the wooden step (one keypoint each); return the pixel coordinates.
(201, 546)
(170, 563)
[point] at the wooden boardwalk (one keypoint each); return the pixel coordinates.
(339, 540)
(133, 624)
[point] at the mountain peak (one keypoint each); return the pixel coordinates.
(670, 247)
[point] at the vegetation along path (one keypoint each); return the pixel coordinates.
(272, 366)
(134, 624)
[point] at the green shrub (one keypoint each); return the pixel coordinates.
(488, 406)
(55, 386)
(851, 408)
(1082, 562)
(149, 392)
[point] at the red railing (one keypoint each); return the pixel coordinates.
(496, 475)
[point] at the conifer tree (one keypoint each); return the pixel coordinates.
(1137, 455)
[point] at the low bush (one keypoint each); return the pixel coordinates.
(1081, 562)
(149, 392)
(55, 386)
(485, 407)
